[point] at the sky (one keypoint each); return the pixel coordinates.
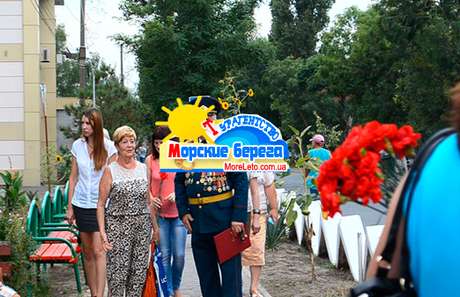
(103, 20)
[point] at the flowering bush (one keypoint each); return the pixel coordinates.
(353, 172)
(233, 99)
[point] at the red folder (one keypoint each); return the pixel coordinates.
(228, 244)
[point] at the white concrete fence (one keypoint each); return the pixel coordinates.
(340, 233)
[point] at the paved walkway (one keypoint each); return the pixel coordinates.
(191, 287)
(63, 284)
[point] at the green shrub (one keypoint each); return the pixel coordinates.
(23, 277)
(13, 216)
(276, 232)
(64, 164)
(12, 197)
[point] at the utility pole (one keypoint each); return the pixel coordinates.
(122, 78)
(94, 87)
(82, 54)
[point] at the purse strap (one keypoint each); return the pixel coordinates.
(407, 192)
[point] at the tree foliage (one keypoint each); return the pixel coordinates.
(297, 91)
(296, 24)
(263, 53)
(117, 104)
(393, 62)
(186, 47)
(67, 72)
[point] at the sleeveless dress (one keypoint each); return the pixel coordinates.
(128, 228)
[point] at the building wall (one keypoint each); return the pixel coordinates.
(48, 72)
(26, 27)
(48, 69)
(12, 105)
(31, 92)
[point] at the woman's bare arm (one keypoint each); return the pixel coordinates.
(105, 186)
(373, 264)
(149, 196)
(72, 183)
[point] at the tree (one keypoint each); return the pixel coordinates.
(426, 35)
(336, 76)
(117, 105)
(393, 62)
(296, 92)
(263, 53)
(120, 108)
(186, 47)
(67, 72)
(296, 24)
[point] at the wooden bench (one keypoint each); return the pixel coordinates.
(54, 252)
(51, 249)
(67, 235)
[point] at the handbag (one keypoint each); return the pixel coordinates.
(160, 274)
(382, 285)
(150, 289)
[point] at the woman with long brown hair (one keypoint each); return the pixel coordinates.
(90, 155)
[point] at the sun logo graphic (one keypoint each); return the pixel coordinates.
(187, 121)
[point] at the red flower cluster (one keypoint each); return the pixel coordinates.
(353, 172)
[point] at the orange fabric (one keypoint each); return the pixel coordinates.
(150, 289)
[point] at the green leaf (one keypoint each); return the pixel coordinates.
(344, 199)
(291, 217)
(309, 200)
(300, 163)
(410, 152)
(389, 147)
(302, 134)
(296, 131)
(299, 141)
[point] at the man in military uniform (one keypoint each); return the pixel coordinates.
(208, 203)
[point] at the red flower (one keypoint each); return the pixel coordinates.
(405, 139)
(163, 175)
(353, 172)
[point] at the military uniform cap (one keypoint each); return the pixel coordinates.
(207, 101)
